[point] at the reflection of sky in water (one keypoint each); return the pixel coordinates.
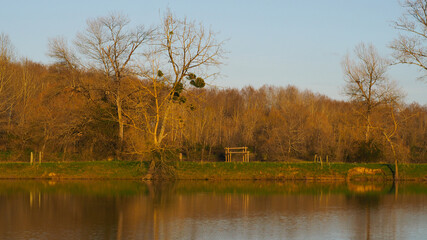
(206, 210)
(322, 222)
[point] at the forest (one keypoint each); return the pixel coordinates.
(131, 93)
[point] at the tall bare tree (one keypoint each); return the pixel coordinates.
(366, 81)
(181, 53)
(6, 48)
(110, 45)
(389, 134)
(410, 46)
(6, 71)
(182, 49)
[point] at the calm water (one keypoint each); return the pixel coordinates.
(211, 210)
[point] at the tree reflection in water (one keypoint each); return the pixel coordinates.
(210, 210)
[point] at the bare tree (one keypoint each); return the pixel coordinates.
(410, 46)
(6, 48)
(366, 81)
(188, 46)
(59, 50)
(389, 135)
(6, 71)
(394, 117)
(6, 56)
(180, 50)
(109, 45)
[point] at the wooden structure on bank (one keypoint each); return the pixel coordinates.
(236, 150)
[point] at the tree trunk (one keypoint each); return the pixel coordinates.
(210, 152)
(163, 124)
(121, 126)
(92, 145)
(9, 120)
(203, 151)
(64, 154)
(396, 172)
(367, 134)
(41, 153)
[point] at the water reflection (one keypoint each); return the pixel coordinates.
(211, 210)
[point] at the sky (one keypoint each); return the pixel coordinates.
(269, 42)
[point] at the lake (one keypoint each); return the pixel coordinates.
(211, 210)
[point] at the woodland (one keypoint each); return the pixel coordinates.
(134, 93)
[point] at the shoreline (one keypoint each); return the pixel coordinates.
(214, 171)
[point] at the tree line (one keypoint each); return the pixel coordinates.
(130, 93)
(44, 112)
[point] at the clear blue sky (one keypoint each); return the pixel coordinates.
(280, 42)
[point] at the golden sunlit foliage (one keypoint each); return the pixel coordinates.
(105, 101)
(42, 111)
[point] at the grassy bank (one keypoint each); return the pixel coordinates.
(211, 171)
(74, 170)
(295, 171)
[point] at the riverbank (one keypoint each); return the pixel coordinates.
(215, 171)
